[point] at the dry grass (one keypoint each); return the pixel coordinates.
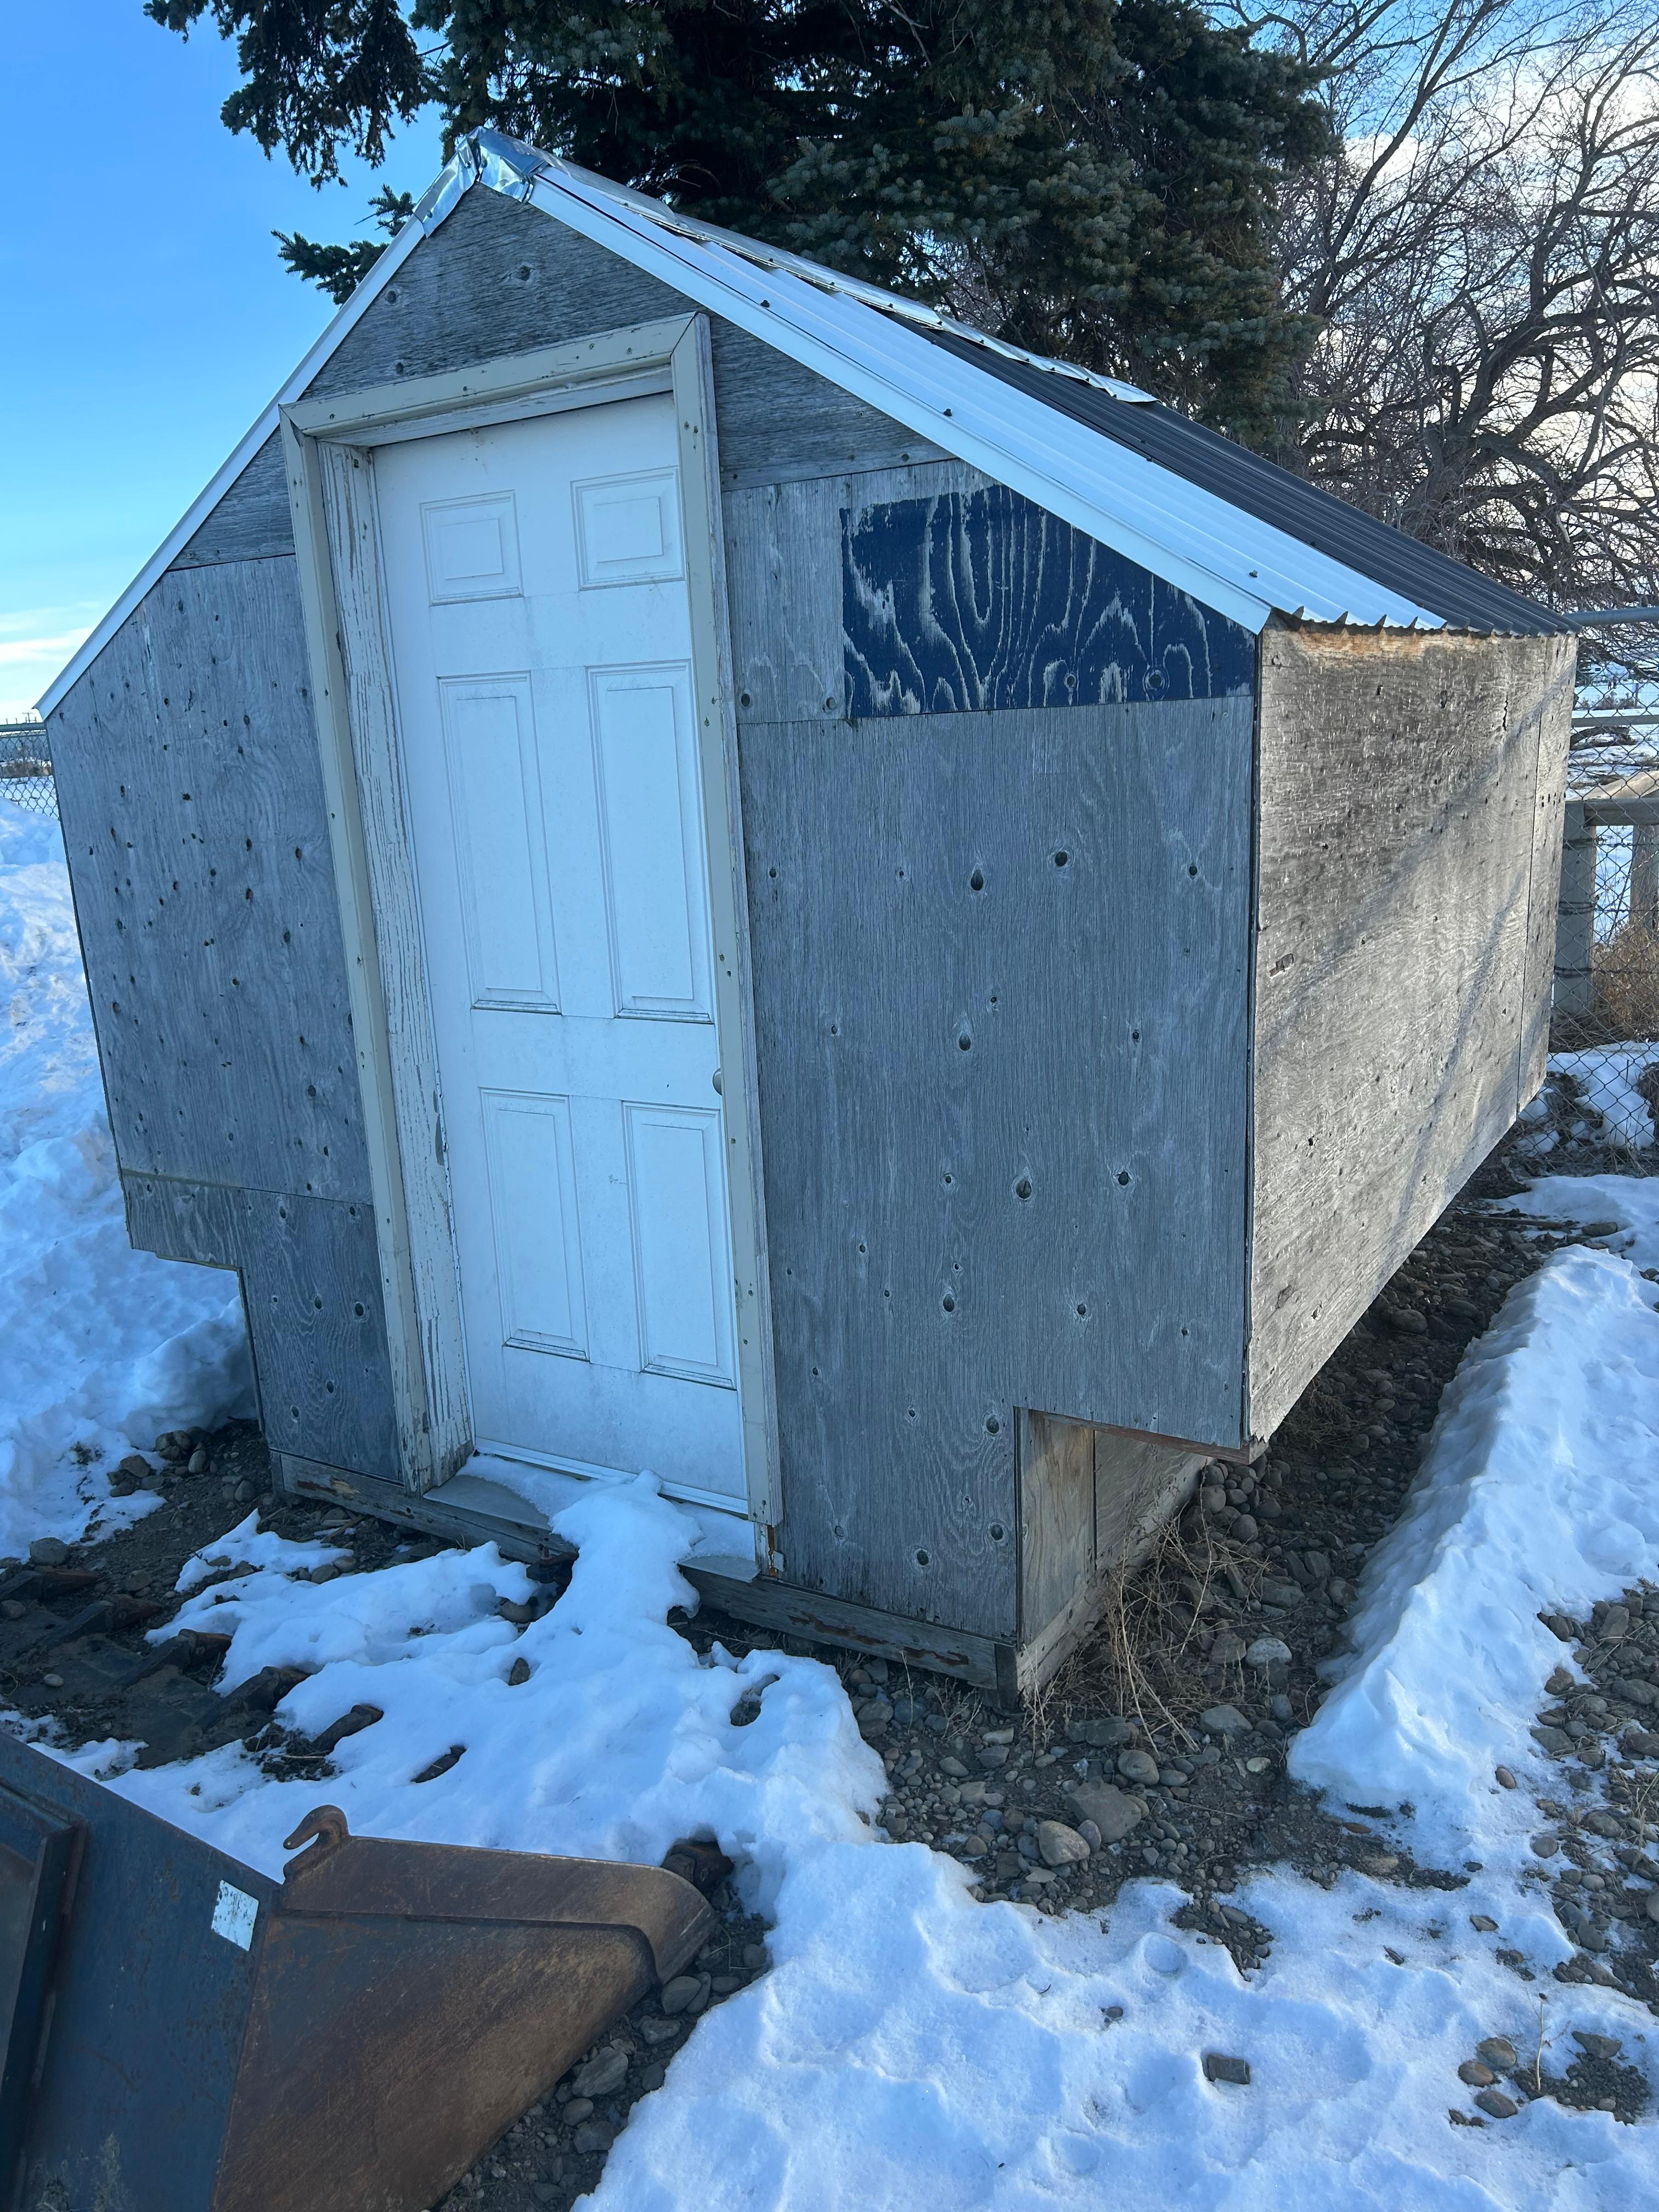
(1144, 1659)
(1626, 978)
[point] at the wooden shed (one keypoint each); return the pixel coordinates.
(686, 864)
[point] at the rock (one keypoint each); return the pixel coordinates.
(1089, 1834)
(577, 2110)
(1555, 1740)
(136, 1465)
(1281, 1708)
(1107, 1735)
(1268, 1651)
(1505, 1778)
(244, 1493)
(657, 2031)
(1596, 2046)
(325, 1573)
(993, 1755)
(602, 2076)
(682, 1993)
(1404, 1321)
(1219, 2067)
(976, 1847)
(954, 1768)
(1483, 1923)
(1227, 1650)
(1105, 1806)
(1497, 2050)
(198, 1462)
(1641, 1743)
(1060, 1846)
(755, 1958)
(1222, 1720)
(1559, 1626)
(351, 1723)
(875, 1720)
(1614, 1624)
(1284, 1594)
(1476, 2074)
(1134, 1766)
(1651, 1905)
(548, 2191)
(1545, 1846)
(518, 1672)
(49, 1552)
(1559, 1681)
(1212, 1498)
(1496, 2105)
(594, 2136)
(1243, 1530)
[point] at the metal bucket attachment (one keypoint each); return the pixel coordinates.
(178, 2030)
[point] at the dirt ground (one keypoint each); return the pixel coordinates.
(1170, 1729)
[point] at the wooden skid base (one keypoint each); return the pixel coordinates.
(474, 1510)
(495, 1515)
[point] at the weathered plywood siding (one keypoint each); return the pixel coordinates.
(310, 1289)
(252, 521)
(1409, 841)
(1000, 969)
(193, 818)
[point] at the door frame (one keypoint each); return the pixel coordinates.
(326, 445)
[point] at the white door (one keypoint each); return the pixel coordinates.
(541, 643)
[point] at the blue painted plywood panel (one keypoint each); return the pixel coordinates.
(974, 601)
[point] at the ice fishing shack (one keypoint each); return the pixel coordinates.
(686, 865)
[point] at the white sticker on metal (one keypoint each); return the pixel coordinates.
(234, 1916)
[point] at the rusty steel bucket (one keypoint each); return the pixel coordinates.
(178, 2031)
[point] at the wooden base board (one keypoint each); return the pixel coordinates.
(473, 1511)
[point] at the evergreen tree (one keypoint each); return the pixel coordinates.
(1091, 178)
(339, 270)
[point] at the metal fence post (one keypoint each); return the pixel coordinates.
(1575, 927)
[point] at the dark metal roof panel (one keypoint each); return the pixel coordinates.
(1461, 596)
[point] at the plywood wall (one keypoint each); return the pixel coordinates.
(1411, 790)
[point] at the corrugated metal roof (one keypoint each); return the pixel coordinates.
(1240, 535)
(1461, 595)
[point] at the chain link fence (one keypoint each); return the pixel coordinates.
(1600, 1106)
(26, 768)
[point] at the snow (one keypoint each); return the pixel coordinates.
(1537, 1492)
(100, 1346)
(1603, 1077)
(909, 2047)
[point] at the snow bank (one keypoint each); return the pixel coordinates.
(100, 1346)
(1609, 1074)
(1538, 1490)
(909, 2049)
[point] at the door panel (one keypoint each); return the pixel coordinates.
(541, 634)
(532, 1207)
(500, 842)
(650, 836)
(679, 1242)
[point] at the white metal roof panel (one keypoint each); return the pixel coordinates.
(875, 345)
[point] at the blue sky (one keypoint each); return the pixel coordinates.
(148, 320)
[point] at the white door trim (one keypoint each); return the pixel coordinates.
(326, 444)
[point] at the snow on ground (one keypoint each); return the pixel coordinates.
(1538, 1490)
(1629, 1203)
(100, 1346)
(1603, 1077)
(910, 2048)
